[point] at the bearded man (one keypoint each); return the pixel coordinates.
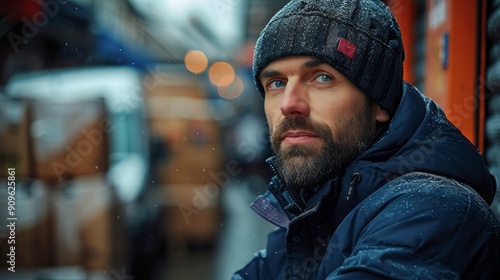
(372, 180)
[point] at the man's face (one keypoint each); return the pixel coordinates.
(318, 120)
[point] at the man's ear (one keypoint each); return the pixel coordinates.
(381, 114)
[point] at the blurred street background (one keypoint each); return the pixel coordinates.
(133, 139)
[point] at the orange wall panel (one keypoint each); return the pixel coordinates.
(405, 13)
(451, 60)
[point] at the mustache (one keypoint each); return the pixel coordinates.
(302, 123)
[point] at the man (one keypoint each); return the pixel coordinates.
(372, 181)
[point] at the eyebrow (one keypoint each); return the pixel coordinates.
(311, 63)
(269, 74)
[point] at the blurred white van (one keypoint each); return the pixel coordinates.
(121, 89)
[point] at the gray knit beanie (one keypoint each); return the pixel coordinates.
(359, 38)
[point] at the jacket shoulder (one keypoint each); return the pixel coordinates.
(452, 204)
(443, 193)
(421, 222)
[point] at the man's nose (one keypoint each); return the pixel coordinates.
(295, 102)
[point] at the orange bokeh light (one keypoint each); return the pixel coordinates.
(196, 61)
(233, 90)
(221, 74)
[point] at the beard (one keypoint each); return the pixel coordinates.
(304, 167)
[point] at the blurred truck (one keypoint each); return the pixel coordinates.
(126, 126)
(79, 142)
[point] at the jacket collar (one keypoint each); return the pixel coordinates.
(280, 207)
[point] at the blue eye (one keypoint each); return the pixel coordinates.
(323, 78)
(276, 84)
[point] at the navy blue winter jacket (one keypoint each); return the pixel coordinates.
(413, 206)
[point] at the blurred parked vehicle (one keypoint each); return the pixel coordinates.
(121, 89)
(86, 143)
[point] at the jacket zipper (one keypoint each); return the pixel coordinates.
(355, 179)
(283, 196)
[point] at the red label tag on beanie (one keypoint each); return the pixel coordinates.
(347, 48)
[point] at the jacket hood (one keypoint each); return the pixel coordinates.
(420, 138)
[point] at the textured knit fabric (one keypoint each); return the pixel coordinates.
(412, 206)
(359, 38)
